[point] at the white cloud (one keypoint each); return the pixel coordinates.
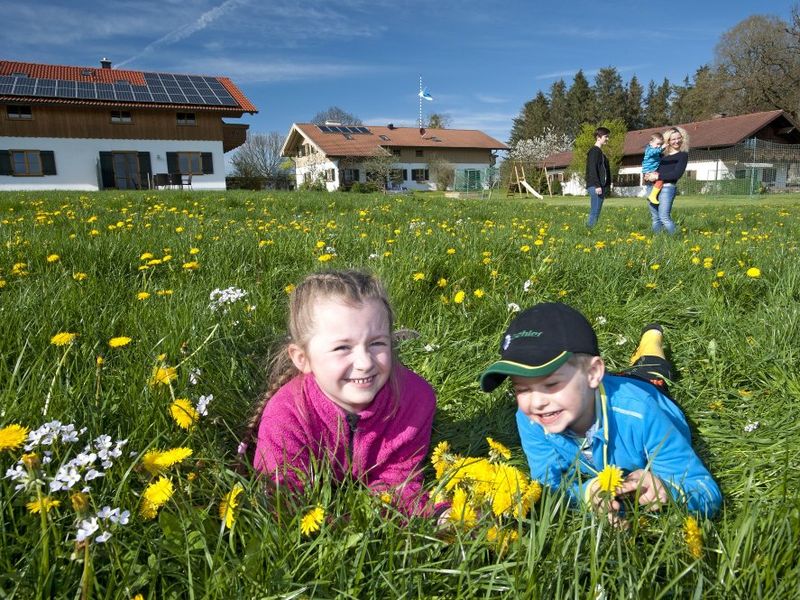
(267, 71)
(491, 99)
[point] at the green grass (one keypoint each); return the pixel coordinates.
(732, 338)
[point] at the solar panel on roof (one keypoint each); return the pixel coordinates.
(5, 88)
(65, 89)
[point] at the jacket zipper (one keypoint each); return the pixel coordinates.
(352, 424)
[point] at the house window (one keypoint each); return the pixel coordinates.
(16, 111)
(385, 138)
(26, 163)
(419, 175)
(623, 179)
(769, 174)
(186, 119)
(395, 151)
(419, 152)
(120, 116)
(190, 163)
(330, 175)
(397, 175)
(349, 176)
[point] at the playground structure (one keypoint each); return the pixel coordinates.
(519, 184)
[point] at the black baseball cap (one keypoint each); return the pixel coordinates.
(538, 341)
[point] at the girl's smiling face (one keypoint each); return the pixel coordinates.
(349, 351)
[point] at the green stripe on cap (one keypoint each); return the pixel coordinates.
(490, 380)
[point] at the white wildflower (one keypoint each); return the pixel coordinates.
(751, 426)
(222, 299)
(431, 347)
(513, 307)
(86, 529)
(103, 537)
(621, 340)
(600, 320)
(194, 376)
(527, 285)
(202, 404)
(373, 255)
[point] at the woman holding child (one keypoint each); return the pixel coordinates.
(673, 164)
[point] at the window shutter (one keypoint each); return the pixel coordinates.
(48, 159)
(356, 175)
(172, 162)
(5, 162)
(208, 163)
(107, 170)
(145, 172)
(405, 174)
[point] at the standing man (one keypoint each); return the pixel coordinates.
(598, 174)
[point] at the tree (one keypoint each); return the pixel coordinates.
(613, 149)
(609, 94)
(438, 121)
(532, 119)
(760, 63)
(336, 115)
(580, 103)
(259, 156)
(531, 151)
(633, 104)
(656, 112)
(441, 172)
(378, 167)
(559, 114)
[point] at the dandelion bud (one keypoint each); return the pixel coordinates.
(30, 460)
(80, 502)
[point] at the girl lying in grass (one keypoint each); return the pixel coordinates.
(337, 393)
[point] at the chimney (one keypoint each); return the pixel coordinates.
(390, 125)
(105, 63)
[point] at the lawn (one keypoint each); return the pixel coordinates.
(145, 271)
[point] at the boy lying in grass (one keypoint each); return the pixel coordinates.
(575, 420)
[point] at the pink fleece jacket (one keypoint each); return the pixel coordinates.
(381, 449)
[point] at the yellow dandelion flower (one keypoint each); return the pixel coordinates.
(53, 258)
(720, 273)
(138, 597)
(320, 244)
(156, 495)
(289, 288)
(79, 276)
(386, 497)
(650, 285)
(119, 342)
(99, 361)
(228, 504)
(693, 536)
(442, 282)
(163, 375)
(194, 251)
(325, 257)
(497, 450)
(461, 512)
(179, 229)
(440, 458)
(146, 256)
(142, 295)
(418, 276)
(459, 297)
(183, 413)
(2, 283)
(610, 478)
(63, 338)
(156, 461)
(312, 520)
(45, 504)
(753, 272)
(525, 248)
(12, 436)
(451, 250)
(479, 293)
(191, 266)
(655, 267)
(531, 496)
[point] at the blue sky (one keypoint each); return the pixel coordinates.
(480, 60)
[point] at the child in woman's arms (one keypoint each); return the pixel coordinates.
(574, 419)
(651, 162)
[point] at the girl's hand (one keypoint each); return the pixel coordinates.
(652, 492)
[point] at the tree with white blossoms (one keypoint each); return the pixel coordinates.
(540, 147)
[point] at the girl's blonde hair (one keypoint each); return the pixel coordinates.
(680, 130)
(353, 288)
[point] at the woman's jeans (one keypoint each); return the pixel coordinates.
(595, 204)
(660, 213)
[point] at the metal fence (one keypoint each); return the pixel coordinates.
(476, 180)
(753, 167)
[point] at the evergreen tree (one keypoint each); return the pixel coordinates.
(609, 94)
(580, 104)
(532, 120)
(633, 105)
(559, 113)
(656, 113)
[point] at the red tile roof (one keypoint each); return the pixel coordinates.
(711, 133)
(336, 144)
(99, 74)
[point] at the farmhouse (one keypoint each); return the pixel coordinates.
(742, 154)
(88, 128)
(340, 155)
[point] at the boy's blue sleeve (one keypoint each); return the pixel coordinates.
(672, 458)
(545, 463)
(652, 153)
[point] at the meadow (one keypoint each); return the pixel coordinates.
(134, 333)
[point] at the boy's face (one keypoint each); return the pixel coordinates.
(656, 143)
(562, 400)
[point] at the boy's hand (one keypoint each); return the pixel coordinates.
(651, 490)
(609, 506)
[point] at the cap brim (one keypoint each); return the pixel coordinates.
(496, 373)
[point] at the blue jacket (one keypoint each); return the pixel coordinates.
(637, 427)
(652, 158)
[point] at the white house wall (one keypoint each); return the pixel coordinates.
(77, 161)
